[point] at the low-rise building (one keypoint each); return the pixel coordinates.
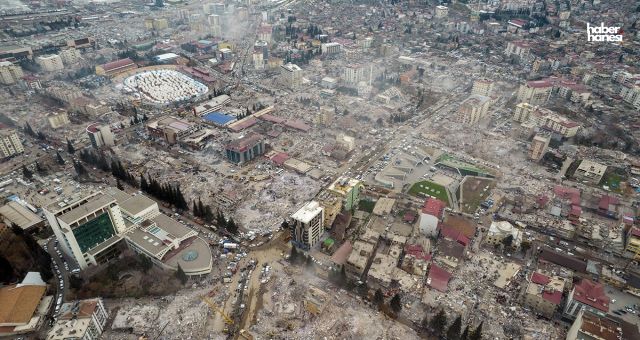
(17, 214)
(83, 320)
(115, 67)
(170, 128)
(544, 293)
(590, 326)
(587, 295)
(500, 230)
(245, 149)
(100, 135)
(212, 105)
(430, 216)
(23, 306)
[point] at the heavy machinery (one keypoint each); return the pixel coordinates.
(215, 308)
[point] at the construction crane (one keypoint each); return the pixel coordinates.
(215, 308)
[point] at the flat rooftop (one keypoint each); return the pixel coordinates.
(94, 203)
(307, 212)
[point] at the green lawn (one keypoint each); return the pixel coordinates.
(612, 180)
(366, 205)
(428, 188)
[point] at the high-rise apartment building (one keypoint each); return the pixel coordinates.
(10, 143)
(50, 63)
(100, 135)
(482, 87)
(10, 73)
(291, 75)
(307, 225)
(539, 146)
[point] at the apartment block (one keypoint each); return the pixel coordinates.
(482, 87)
(100, 135)
(307, 225)
(587, 295)
(10, 73)
(523, 112)
(85, 319)
(291, 75)
(544, 293)
(535, 92)
(473, 109)
(539, 146)
(10, 143)
(50, 63)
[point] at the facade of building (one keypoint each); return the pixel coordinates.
(482, 87)
(291, 75)
(590, 171)
(353, 74)
(441, 12)
(245, 149)
(84, 320)
(87, 227)
(10, 143)
(633, 242)
(473, 109)
(170, 128)
(518, 48)
(430, 216)
(70, 56)
(100, 135)
(544, 293)
(58, 119)
(535, 92)
(307, 225)
(499, 230)
(587, 295)
(539, 146)
(50, 63)
(10, 73)
(348, 189)
(523, 112)
(115, 67)
(331, 48)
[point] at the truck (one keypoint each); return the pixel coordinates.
(230, 245)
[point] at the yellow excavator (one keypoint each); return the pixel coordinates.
(215, 308)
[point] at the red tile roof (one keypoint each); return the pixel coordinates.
(606, 201)
(280, 158)
(540, 279)
(438, 278)
(117, 64)
(454, 235)
(552, 296)
(417, 251)
(433, 207)
(591, 294)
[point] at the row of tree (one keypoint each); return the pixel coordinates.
(29, 130)
(163, 191)
(438, 326)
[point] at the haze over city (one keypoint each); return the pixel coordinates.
(307, 169)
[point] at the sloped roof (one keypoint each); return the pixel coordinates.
(17, 304)
(438, 278)
(592, 294)
(433, 207)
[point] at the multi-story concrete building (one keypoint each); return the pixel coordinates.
(633, 242)
(518, 48)
(544, 293)
(100, 135)
(353, 74)
(500, 230)
(291, 75)
(590, 326)
(430, 216)
(10, 143)
(482, 87)
(50, 63)
(58, 119)
(473, 109)
(348, 189)
(535, 92)
(242, 150)
(170, 128)
(332, 206)
(587, 295)
(10, 73)
(331, 48)
(631, 95)
(307, 225)
(115, 67)
(87, 227)
(441, 12)
(156, 24)
(70, 56)
(539, 146)
(590, 171)
(523, 112)
(83, 320)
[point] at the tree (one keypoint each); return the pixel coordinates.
(196, 212)
(180, 274)
(29, 130)
(42, 136)
(378, 298)
(231, 226)
(524, 246)
(396, 304)
(284, 225)
(453, 333)
(75, 281)
(59, 158)
(26, 173)
(146, 264)
(40, 169)
(477, 333)
(309, 263)
(293, 258)
(439, 322)
(70, 149)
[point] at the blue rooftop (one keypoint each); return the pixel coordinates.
(218, 118)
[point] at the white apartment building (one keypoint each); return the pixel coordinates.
(523, 112)
(307, 225)
(70, 56)
(58, 119)
(482, 87)
(291, 75)
(473, 109)
(50, 63)
(84, 320)
(539, 146)
(100, 135)
(10, 143)
(353, 74)
(441, 12)
(331, 48)
(10, 73)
